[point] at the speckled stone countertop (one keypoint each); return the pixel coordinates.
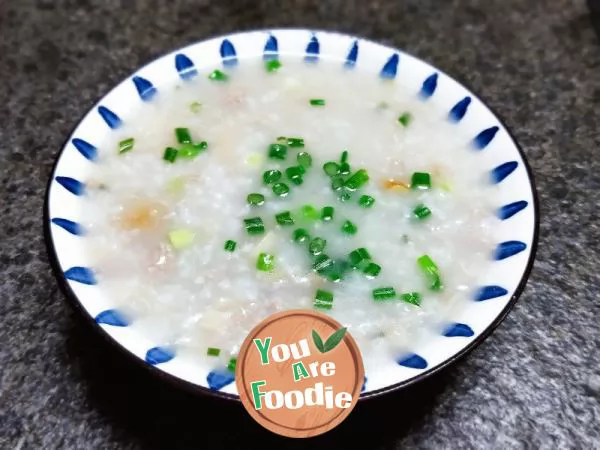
(535, 383)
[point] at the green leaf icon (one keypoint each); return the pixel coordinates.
(334, 340)
(318, 341)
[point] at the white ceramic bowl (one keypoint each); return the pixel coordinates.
(498, 152)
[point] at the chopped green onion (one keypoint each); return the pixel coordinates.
(217, 75)
(295, 142)
(181, 238)
(176, 185)
(344, 168)
(272, 65)
(195, 107)
(317, 102)
(331, 168)
(317, 245)
(271, 176)
(344, 158)
(414, 298)
(405, 119)
(125, 145)
(323, 299)
(304, 159)
(344, 195)
(327, 213)
(310, 212)
(421, 212)
(284, 219)
(357, 180)
(231, 364)
(255, 199)
(277, 151)
(183, 135)
(300, 235)
(281, 189)
(294, 174)
(337, 184)
(213, 351)
(431, 271)
(372, 270)
(230, 246)
(349, 228)
(322, 264)
(420, 180)
(265, 262)
(192, 150)
(384, 293)
(170, 154)
(254, 226)
(366, 201)
(358, 257)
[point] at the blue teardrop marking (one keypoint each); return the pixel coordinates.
(72, 185)
(364, 386)
(482, 140)
(509, 248)
(159, 355)
(218, 379)
(312, 50)
(228, 53)
(507, 211)
(185, 67)
(111, 119)
(85, 148)
(390, 68)
(112, 317)
(69, 225)
(489, 292)
(458, 330)
(352, 55)
(459, 110)
(413, 361)
(81, 275)
(271, 48)
(145, 88)
(429, 86)
(502, 171)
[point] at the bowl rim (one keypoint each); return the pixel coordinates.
(201, 390)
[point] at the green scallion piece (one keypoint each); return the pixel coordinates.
(359, 257)
(322, 264)
(372, 270)
(420, 180)
(366, 201)
(190, 151)
(255, 199)
(183, 135)
(277, 151)
(231, 364)
(230, 246)
(300, 235)
(295, 142)
(254, 226)
(431, 271)
(284, 219)
(181, 238)
(317, 102)
(344, 195)
(294, 174)
(357, 180)
(281, 189)
(217, 75)
(271, 176)
(337, 183)
(421, 212)
(265, 262)
(331, 168)
(405, 119)
(327, 213)
(170, 154)
(317, 245)
(126, 145)
(212, 351)
(384, 293)
(195, 107)
(310, 212)
(414, 298)
(344, 158)
(349, 228)
(323, 299)
(272, 65)
(304, 159)
(344, 168)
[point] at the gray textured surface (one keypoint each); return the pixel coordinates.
(535, 383)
